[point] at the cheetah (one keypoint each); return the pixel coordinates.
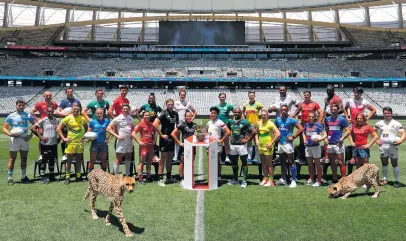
(365, 175)
(113, 188)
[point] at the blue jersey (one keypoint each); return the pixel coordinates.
(286, 127)
(310, 130)
(20, 120)
(65, 103)
(99, 127)
(335, 128)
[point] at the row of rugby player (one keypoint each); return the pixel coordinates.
(243, 136)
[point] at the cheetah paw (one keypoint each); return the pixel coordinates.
(129, 235)
(95, 217)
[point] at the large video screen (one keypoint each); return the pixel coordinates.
(201, 33)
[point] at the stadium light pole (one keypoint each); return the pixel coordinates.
(5, 17)
(400, 15)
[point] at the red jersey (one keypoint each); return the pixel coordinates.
(147, 132)
(117, 103)
(42, 106)
(360, 134)
(335, 100)
(306, 108)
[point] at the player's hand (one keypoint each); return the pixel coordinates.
(142, 143)
(352, 144)
(27, 138)
(326, 141)
(244, 141)
(44, 139)
(66, 140)
(120, 137)
(220, 141)
(13, 135)
(182, 144)
(107, 141)
(379, 142)
(269, 145)
(317, 140)
(289, 138)
(349, 120)
(340, 143)
(365, 146)
(396, 143)
(165, 137)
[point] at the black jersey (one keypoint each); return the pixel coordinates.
(169, 119)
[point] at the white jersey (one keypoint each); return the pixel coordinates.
(214, 128)
(124, 125)
(289, 100)
(389, 130)
(181, 107)
(357, 106)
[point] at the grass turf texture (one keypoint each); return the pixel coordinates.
(55, 211)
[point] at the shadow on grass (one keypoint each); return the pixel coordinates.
(116, 222)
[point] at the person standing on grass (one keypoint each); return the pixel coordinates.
(121, 127)
(307, 106)
(286, 125)
(167, 119)
(224, 116)
(99, 147)
(151, 107)
(335, 125)
(359, 140)
(66, 103)
(76, 126)
(214, 127)
(147, 142)
(48, 143)
(268, 134)
(241, 133)
(18, 143)
(181, 106)
(99, 103)
(388, 145)
(187, 128)
(251, 111)
(313, 151)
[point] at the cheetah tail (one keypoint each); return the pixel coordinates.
(86, 194)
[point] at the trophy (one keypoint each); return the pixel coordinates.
(200, 132)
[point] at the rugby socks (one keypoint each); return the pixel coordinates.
(244, 172)
(115, 168)
(235, 172)
(396, 173)
(284, 170)
(127, 165)
(385, 172)
(293, 172)
(343, 171)
(67, 175)
(140, 177)
(104, 169)
(149, 175)
(90, 167)
(168, 175)
(10, 173)
(78, 175)
(23, 172)
(42, 173)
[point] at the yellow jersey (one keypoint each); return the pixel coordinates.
(252, 111)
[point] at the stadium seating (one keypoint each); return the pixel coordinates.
(9, 96)
(98, 67)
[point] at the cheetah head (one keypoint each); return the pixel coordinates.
(334, 191)
(127, 183)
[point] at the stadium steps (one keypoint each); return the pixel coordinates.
(234, 98)
(349, 36)
(56, 35)
(36, 95)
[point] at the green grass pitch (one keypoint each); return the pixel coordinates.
(56, 212)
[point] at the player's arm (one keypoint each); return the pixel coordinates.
(340, 108)
(138, 112)
(174, 136)
(276, 134)
(111, 128)
(34, 130)
(84, 114)
(402, 137)
(32, 112)
(61, 125)
(297, 111)
(299, 130)
(156, 124)
(346, 134)
(272, 109)
(372, 113)
(377, 129)
(321, 115)
(227, 131)
(346, 112)
(5, 129)
(110, 112)
(374, 138)
(194, 111)
(304, 137)
(135, 137)
(253, 133)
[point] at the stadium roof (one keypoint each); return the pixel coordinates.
(204, 5)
